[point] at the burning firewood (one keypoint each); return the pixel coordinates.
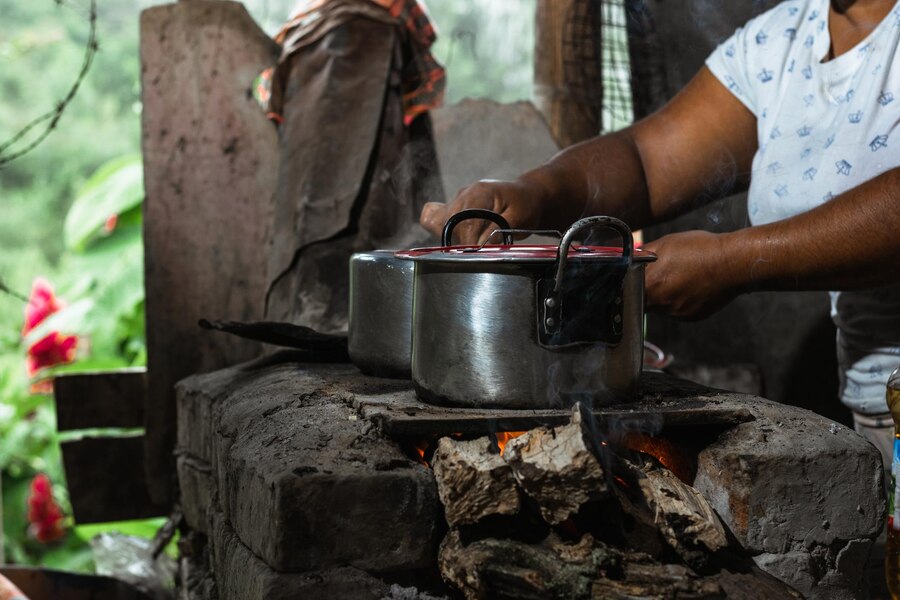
(588, 569)
(473, 481)
(557, 468)
(655, 497)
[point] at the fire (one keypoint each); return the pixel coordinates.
(420, 447)
(666, 452)
(503, 438)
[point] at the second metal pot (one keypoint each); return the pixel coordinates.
(381, 302)
(380, 328)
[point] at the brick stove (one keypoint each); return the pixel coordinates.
(299, 480)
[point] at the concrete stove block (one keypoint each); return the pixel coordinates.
(298, 473)
(197, 488)
(240, 575)
(803, 494)
(308, 483)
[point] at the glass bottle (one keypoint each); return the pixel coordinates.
(892, 549)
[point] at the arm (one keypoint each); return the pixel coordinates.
(849, 242)
(699, 146)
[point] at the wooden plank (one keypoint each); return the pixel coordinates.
(565, 70)
(210, 163)
(41, 582)
(106, 480)
(102, 399)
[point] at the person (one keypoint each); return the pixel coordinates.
(800, 107)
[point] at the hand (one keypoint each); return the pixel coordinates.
(519, 203)
(690, 278)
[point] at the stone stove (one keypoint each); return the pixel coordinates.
(301, 480)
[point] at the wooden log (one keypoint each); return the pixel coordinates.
(649, 580)
(588, 569)
(499, 569)
(557, 468)
(473, 481)
(654, 496)
(566, 79)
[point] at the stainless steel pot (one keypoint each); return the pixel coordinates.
(529, 326)
(381, 300)
(380, 328)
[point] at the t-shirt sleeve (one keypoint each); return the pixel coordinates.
(731, 65)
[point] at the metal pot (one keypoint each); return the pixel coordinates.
(529, 326)
(380, 314)
(381, 300)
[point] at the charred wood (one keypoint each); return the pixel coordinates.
(557, 468)
(473, 482)
(588, 570)
(657, 499)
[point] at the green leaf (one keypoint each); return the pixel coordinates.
(116, 188)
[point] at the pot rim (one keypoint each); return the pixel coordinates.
(529, 253)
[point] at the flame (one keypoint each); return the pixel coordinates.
(666, 452)
(421, 446)
(503, 438)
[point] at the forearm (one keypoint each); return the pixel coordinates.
(603, 175)
(852, 241)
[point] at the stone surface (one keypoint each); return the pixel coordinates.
(210, 160)
(240, 575)
(792, 484)
(298, 473)
(196, 487)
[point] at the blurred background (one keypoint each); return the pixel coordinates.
(71, 260)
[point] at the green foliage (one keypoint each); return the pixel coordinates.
(486, 46)
(102, 279)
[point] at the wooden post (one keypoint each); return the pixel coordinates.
(566, 68)
(210, 166)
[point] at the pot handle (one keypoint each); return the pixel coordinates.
(475, 213)
(586, 223)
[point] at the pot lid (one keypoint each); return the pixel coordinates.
(525, 253)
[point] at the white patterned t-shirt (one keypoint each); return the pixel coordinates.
(823, 128)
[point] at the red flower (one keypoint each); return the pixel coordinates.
(42, 303)
(54, 348)
(44, 513)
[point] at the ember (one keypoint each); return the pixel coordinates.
(668, 453)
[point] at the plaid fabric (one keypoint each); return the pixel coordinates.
(423, 78)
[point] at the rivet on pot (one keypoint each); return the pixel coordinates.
(550, 302)
(550, 322)
(617, 318)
